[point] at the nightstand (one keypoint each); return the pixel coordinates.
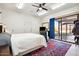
(4, 48)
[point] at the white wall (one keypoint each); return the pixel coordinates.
(20, 23)
(0, 16)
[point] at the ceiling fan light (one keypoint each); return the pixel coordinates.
(41, 13)
(40, 8)
(20, 5)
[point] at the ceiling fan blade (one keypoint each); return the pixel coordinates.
(37, 10)
(35, 6)
(40, 5)
(44, 8)
(43, 4)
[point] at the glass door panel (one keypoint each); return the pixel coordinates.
(67, 33)
(57, 30)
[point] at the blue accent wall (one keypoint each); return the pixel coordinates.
(52, 30)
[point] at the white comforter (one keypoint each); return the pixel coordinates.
(24, 42)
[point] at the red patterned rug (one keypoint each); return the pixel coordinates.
(54, 48)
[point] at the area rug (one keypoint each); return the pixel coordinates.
(54, 48)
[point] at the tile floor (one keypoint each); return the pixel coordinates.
(73, 51)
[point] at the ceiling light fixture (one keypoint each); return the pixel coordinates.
(40, 8)
(20, 5)
(41, 12)
(57, 5)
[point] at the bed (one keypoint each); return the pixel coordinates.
(24, 43)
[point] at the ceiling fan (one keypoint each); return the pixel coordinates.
(40, 7)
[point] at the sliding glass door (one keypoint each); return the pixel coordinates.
(63, 31)
(57, 30)
(67, 32)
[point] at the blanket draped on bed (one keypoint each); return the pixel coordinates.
(24, 42)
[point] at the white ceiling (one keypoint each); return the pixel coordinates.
(29, 9)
